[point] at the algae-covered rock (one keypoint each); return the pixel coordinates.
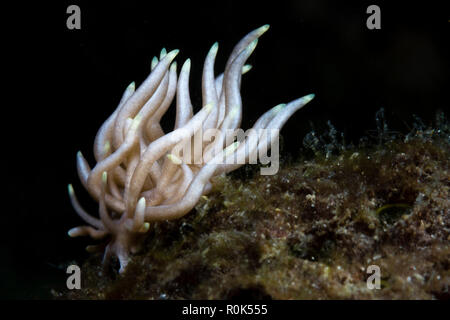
(308, 232)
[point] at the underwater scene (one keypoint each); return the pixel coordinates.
(294, 150)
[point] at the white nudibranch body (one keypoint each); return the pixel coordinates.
(143, 174)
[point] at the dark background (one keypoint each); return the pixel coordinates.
(66, 82)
